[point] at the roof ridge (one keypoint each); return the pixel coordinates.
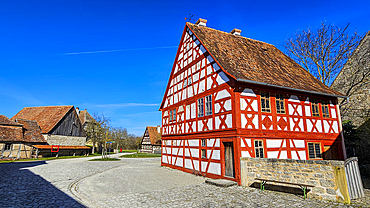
(233, 35)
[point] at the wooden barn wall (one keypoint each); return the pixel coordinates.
(70, 125)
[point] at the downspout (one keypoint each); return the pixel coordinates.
(341, 128)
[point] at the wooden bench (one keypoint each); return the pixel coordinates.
(302, 186)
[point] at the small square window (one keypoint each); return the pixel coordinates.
(204, 153)
(314, 151)
(280, 104)
(315, 108)
(325, 109)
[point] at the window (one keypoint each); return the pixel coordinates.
(185, 82)
(203, 142)
(315, 108)
(265, 101)
(314, 150)
(203, 153)
(325, 109)
(258, 147)
(200, 107)
(8, 146)
(208, 105)
(280, 103)
(189, 80)
(172, 115)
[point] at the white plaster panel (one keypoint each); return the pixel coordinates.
(217, 122)
(245, 154)
(204, 166)
(333, 113)
(302, 154)
(272, 154)
(227, 105)
(291, 110)
(202, 73)
(255, 105)
(293, 98)
(175, 151)
(209, 153)
(200, 126)
(309, 125)
(216, 155)
(202, 86)
(214, 168)
(299, 143)
(196, 77)
(319, 126)
(242, 142)
(168, 151)
(179, 162)
(194, 126)
(184, 94)
(217, 143)
(283, 154)
(249, 142)
(173, 160)
(300, 124)
(188, 164)
(209, 83)
(187, 112)
(181, 151)
(222, 94)
(273, 143)
(326, 126)
(194, 152)
(209, 70)
(164, 159)
(335, 126)
(222, 78)
(193, 111)
(210, 124)
(248, 92)
(187, 153)
(217, 108)
(284, 143)
(196, 164)
(169, 142)
(193, 142)
(164, 150)
(294, 155)
(190, 91)
(243, 104)
(210, 142)
(228, 121)
(175, 98)
(307, 110)
(243, 121)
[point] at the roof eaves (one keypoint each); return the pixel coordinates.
(290, 88)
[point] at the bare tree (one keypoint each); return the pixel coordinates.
(96, 130)
(322, 52)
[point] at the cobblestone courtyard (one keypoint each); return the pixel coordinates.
(130, 183)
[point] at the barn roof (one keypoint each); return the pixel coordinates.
(256, 62)
(10, 131)
(32, 131)
(85, 117)
(47, 117)
(155, 137)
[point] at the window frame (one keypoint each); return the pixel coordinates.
(280, 101)
(259, 147)
(266, 101)
(315, 145)
(203, 153)
(8, 146)
(315, 105)
(208, 105)
(325, 109)
(200, 107)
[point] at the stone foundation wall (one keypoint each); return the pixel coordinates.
(65, 140)
(328, 176)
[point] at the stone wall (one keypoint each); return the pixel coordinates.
(328, 177)
(65, 140)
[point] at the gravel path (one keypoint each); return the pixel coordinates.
(129, 183)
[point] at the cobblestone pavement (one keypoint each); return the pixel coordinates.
(130, 183)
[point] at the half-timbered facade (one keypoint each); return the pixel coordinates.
(229, 97)
(151, 141)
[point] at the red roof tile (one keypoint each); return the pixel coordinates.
(257, 62)
(155, 137)
(85, 117)
(47, 117)
(32, 131)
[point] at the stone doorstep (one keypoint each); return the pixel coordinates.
(221, 182)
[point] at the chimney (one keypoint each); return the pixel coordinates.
(78, 110)
(201, 22)
(236, 31)
(159, 129)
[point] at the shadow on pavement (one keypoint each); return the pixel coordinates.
(21, 188)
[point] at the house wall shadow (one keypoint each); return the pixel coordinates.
(22, 188)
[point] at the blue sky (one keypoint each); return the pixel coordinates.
(131, 48)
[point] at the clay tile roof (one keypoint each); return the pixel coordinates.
(61, 147)
(257, 62)
(32, 131)
(155, 137)
(6, 121)
(47, 117)
(10, 131)
(85, 117)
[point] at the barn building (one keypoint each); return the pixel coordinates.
(60, 126)
(151, 141)
(230, 97)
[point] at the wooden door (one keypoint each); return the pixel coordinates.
(229, 159)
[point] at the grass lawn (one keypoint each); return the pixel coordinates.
(136, 155)
(129, 150)
(105, 159)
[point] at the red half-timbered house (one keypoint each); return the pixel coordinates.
(229, 97)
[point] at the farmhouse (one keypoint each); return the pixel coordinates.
(230, 97)
(17, 138)
(151, 141)
(60, 127)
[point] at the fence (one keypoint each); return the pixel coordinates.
(354, 182)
